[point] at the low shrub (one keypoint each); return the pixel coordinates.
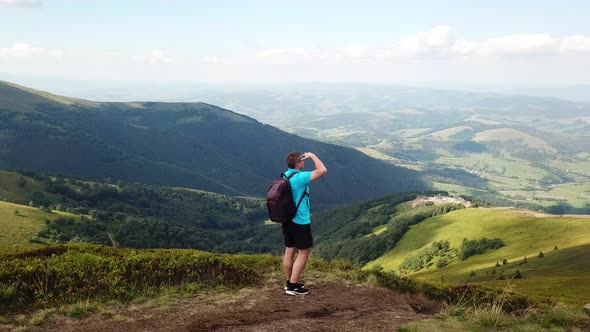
(71, 273)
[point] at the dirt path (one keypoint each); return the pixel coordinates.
(328, 307)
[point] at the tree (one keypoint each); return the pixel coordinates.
(541, 255)
(517, 275)
(555, 248)
(39, 199)
(21, 182)
(442, 262)
(504, 261)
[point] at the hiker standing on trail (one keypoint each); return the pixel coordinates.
(297, 234)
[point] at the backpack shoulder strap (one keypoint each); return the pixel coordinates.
(288, 177)
(304, 191)
(302, 196)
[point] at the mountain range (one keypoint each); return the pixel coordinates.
(193, 145)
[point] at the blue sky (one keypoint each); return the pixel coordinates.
(455, 42)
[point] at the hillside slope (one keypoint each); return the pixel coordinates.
(192, 145)
(560, 273)
(20, 224)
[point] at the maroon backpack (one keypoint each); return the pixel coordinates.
(279, 200)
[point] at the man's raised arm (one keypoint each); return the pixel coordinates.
(320, 170)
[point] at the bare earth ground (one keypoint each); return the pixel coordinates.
(328, 307)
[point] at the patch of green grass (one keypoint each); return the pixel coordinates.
(21, 223)
(507, 134)
(10, 191)
(378, 230)
(81, 309)
(490, 316)
(484, 165)
(192, 287)
(409, 133)
(446, 133)
(20, 227)
(448, 325)
(560, 273)
(581, 167)
(493, 317)
(574, 194)
(518, 179)
(42, 316)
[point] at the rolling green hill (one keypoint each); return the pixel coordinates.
(559, 273)
(18, 188)
(192, 145)
(509, 134)
(20, 224)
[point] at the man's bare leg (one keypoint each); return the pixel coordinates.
(288, 261)
(299, 265)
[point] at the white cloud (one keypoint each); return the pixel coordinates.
(531, 44)
(21, 3)
(217, 60)
(524, 45)
(439, 37)
(26, 51)
(286, 56)
(439, 42)
(157, 57)
(354, 51)
(437, 54)
(154, 57)
(576, 44)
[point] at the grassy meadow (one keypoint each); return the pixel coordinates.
(521, 181)
(21, 223)
(10, 191)
(513, 170)
(560, 273)
(575, 194)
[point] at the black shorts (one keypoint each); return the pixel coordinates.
(298, 236)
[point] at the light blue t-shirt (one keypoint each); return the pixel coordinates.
(300, 184)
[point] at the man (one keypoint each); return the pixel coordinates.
(297, 234)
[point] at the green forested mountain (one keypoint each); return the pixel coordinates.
(192, 145)
(136, 215)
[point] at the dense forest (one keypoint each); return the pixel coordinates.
(144, 216)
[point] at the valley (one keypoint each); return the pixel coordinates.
(466, 142)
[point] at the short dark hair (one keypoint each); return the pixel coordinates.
(293, 158)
